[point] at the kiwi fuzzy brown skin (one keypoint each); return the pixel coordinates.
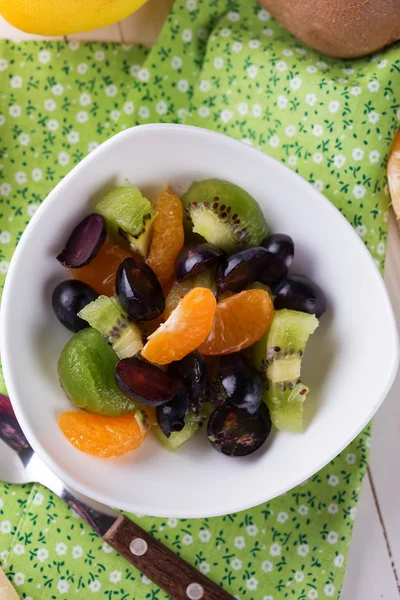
(339, 28)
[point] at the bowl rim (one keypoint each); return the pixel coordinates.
(18, 403)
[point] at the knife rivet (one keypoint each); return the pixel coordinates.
(138, 547)
(195, 591)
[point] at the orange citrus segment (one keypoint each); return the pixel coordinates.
(393, 173)
(100, 273)
(102, 436)
(239, 322)
(168, 237)
(185, 329)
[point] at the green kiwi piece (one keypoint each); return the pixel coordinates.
(224, 214)
(205, 279)
(278, 355)
(107, 316)
(129, 216)
(178, 438)
(86, 369)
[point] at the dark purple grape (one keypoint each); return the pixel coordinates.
(143, 382)
(68, 299)
(139, 290)
(171, 416)
(242, 268)
(84, 242)
(193, 259)
(281, 249)
(236, 432)
(242, 384)
(297, 292)
(192, 371)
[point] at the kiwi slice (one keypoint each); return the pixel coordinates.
(178, 438)
(107, 316)
(278, 355)
(224, 214)
(205, 279)
(129, 216)
(86, 369)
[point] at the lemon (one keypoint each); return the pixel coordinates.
(62, 17)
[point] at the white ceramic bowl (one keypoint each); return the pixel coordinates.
(350, 362)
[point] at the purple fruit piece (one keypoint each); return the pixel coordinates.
(143, 382)
(84, 242)
(193, 259)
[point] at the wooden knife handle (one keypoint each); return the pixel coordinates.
(172, 574)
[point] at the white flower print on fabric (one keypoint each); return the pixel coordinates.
(63, 586)
(332, 537)
(85, 99)
(77, 551)
(359, 191)
(303, 550)
(42, 554)
(329, 589)
(373, 117)
(373, 86)
(317, 130)
(252, 583)
(205, 535)
(63, 158)
(61, 549)
(339, 560)
(319, 185)
(303, 510)
(240, 542)
(187, 539)
(282, 517)
(19, 549)
(5, 189)
(339, 160)
(19, 579)
(15, 110)
(16, 81)
(295, 83)
(267, 566)
(95, 586)
(274, 141)
(38, 499)
(24, 139)
(204, 567)
(82, 68)
(5, 238)
(44, 56)
(107, 548)
(115, 576)
(236, 564)
(281, 66)
(275, 550)
(252, 530)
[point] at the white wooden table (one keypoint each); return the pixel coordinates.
(373, 570)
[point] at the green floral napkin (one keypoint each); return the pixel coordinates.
(232, 68)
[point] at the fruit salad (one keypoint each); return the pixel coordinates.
(185, 318)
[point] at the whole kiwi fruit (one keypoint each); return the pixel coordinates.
(341, 28)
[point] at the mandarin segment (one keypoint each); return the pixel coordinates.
(168, 237)
(393, 173)
(100, 273)
(102, 436)
(239, 322)
(185, 329)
